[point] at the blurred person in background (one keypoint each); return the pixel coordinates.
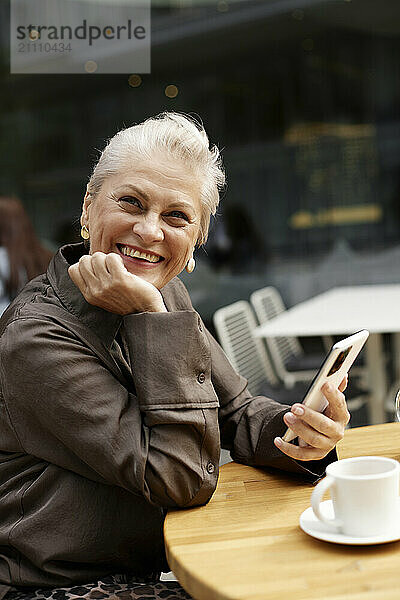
(22, 256)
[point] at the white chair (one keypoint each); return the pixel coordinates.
(390, 402)
(287, 352)
(234, 325)
(290, 362)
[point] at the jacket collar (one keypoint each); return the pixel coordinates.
(104, 323)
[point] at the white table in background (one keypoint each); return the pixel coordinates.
(345, 310)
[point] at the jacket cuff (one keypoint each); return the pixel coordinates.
(171, 360)
(269, 455)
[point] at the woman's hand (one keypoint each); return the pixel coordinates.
(105, 282)
(320, 431)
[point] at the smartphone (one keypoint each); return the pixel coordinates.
(333, 370)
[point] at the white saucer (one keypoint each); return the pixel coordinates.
(317, 529)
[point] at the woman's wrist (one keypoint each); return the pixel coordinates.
(158, 307)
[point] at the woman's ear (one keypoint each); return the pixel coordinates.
(85, 208)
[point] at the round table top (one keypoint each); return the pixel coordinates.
(246, 543)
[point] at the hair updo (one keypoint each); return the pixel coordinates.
(178, 137)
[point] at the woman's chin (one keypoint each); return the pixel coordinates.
(154, 273)
(149, 275)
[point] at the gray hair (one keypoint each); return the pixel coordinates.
(181, 137)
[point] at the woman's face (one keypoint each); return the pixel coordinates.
(149, 215)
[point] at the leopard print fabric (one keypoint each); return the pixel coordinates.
(113, 587)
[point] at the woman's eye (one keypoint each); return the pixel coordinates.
(131, 200)
(177, 214)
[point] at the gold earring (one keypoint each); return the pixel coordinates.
(190, 265)
(85, 232)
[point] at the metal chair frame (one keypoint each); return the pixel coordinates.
(234, 325)
(267, 304)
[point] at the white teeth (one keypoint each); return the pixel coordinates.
(136, 254)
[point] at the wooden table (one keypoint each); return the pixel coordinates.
(344, 310)
(246, 543)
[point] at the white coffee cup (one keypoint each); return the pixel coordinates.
(365, 495)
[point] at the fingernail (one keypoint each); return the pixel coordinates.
(278, 441)
(298, 410)
(291, 418)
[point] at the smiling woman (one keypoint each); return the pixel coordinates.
(149, 215)
(125, 398)
(149, 201)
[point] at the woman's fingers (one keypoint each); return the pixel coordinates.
(99, 266)
(318, 421)
(320, 431)
(105, 282)
(86, 270)
(91, 276)
(317, 432)
(115, 264)
(96, 272)
(299, 452)
(337, 409)
(76, 277)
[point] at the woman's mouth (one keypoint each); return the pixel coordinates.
(134, 254)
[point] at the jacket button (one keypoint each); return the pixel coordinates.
(210, 468)
(201, 378)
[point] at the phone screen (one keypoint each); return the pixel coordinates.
(339, 361)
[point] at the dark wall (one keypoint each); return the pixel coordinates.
(305, 104)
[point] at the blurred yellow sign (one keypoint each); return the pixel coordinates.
(337, 215)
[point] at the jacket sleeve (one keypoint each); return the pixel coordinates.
(68, 409)
(248, 425)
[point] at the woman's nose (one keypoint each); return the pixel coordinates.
(148, 228)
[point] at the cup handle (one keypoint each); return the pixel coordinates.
(316, 499)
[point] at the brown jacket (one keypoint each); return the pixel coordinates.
(106, 421)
